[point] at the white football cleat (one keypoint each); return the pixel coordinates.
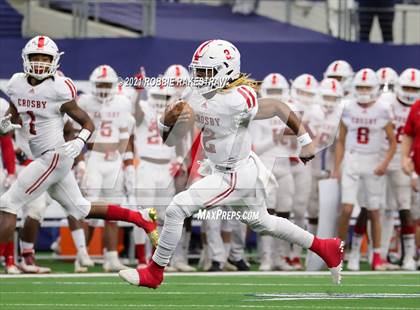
(85, 260)
(409, 264)
(353, 263)
(130, 275)
(12, 269)
(182, 267)
(28, 264)
(229, 267)
(170, 269)
(283, 265)
(114, 265)
(265, 264)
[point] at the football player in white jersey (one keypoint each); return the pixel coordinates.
(331, 98)
(398, 188)
(236, 176)
(388, 79)
(38, 101)
(274, 149)
(365, 121)
(305, 102)
(341, 71)
(7, 177)
(109, 151)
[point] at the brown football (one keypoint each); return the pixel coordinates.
(173, 111)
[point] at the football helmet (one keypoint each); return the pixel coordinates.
(160, 97)
(214, 65)
(342, 71)
(388, 78)
(408, 87)
(45, 46)
(179, 75)
(305, 89)
(275, 85)
(366, 86)
(104, 82)
(331, 93)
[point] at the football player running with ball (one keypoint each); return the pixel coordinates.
(39, 99)
(235, 175)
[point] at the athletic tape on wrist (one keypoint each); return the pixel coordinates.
(84, 134)
(304, 139)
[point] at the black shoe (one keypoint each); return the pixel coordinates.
(240, 264)
(215, 266)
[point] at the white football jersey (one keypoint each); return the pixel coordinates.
(39, 108)
(365, 126)
(399, 114)
(224, 120)
(4, 106)
(148, 140)
(110, 119)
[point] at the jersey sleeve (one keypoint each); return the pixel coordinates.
(65, 89)
(410, 124)
(244, 105)
(10, 86)
(4, 106)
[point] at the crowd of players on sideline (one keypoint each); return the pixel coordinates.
(356, 119)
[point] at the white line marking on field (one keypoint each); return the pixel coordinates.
(329, 296)
(202, 306)
(217, 274)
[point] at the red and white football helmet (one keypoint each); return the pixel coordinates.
(366, 86)
(342, 71)
(214, 64)
(305, 89)
(388, 78)
(331, 93)
(178, 75)
(408, 87)
(275, 85)
(45, 46)
(104, 74)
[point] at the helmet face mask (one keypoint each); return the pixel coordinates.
(331, 93)
(40, 57)
(159, 97)
(305, 89)
(366, 94)
(408, 87)
(275, 86)
(104, 82)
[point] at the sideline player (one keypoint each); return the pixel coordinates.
(365, 121)
(39, 98)
(236, 176)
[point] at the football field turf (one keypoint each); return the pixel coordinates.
(214, 291)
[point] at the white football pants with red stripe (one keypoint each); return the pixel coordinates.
(239, 189)
(51, 172)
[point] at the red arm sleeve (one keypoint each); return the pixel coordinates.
(8, 153)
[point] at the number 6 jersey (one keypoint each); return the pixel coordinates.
(365, 125)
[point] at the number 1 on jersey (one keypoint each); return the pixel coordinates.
(32, 129)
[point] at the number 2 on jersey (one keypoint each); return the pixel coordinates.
(363, 135)
(32, 129)
(208, 135)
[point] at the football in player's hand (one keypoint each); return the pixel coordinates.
(180, 115)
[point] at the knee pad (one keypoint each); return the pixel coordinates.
(80, 208)
(175, 214)
(8, 205)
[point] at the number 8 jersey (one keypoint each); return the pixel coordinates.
(365, 126)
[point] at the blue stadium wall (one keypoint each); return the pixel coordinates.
(288, 58)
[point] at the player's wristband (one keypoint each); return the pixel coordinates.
(163, 128)
(304, 139)
(127, 156)
(84, 134)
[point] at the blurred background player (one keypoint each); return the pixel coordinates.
(304, 102)
(388, 79)
(109, 151)
(359, 160)
(7, 177)
(274, 149)
(341, 71)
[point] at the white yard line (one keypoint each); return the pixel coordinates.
(199, 306)
(217, 274)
